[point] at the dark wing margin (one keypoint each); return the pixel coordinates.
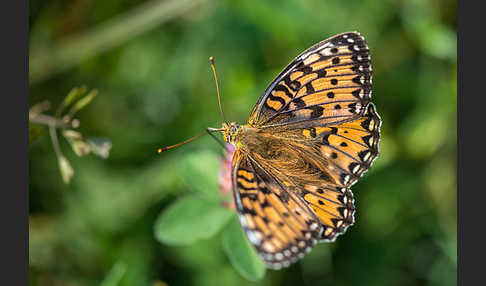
(276, 222)
(328, 83)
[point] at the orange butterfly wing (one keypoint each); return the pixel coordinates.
(277, 222)
(327, 84)
(320, 104)
(347, 150)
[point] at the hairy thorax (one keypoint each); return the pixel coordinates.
(281, 153)
(257, 141)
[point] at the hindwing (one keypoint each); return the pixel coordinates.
(276, 221)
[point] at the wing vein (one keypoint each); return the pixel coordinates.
(313, 119)
(324, 210)
(280, 215)
(301, 204)
(307, 106)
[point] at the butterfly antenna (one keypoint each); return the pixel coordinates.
(208, 131)
(211, 61)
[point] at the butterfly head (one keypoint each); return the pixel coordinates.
(230, 133)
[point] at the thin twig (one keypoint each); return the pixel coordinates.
(48, 120)
(55, 141)
(39, 108)
(70, 51)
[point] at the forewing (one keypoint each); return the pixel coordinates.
(276, 221)
(327, 84)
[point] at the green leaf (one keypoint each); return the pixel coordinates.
(200, 171)
(190, 219)
(241, 253)
(80, 104)
(73, 95)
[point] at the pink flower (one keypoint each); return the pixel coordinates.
(225, 183)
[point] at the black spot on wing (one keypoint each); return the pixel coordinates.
(317, 111)
(299, 103)
(313, 133)
(309, 88)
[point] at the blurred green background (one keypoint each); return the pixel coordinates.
(149, 62)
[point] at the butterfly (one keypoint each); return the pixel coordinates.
(310, 136)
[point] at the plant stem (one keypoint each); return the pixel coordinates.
(55, 141)
(54, 59)
(47, 120)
